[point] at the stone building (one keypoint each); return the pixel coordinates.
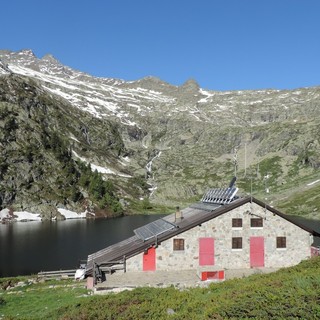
(221, 232)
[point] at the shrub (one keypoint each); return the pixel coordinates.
(2, 301)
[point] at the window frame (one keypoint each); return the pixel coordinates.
(255, 224)
(236, 243)
(237, 223)
(281, 242)
(178, 244)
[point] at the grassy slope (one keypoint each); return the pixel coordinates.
(287, 294)
(35, 301)
(306, 202)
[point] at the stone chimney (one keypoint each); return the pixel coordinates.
(178, 215)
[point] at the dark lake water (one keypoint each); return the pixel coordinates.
(29, 247)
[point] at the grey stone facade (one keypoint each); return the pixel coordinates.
(297, 247)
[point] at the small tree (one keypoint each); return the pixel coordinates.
(146, 205)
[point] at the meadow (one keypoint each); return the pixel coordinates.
(290, 293)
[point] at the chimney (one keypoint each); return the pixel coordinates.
(178, 215)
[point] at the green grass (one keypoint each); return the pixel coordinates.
(146, 207)
(292, 293)
(306, 202)
(39, 300)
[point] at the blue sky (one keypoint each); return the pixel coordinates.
(223, 44)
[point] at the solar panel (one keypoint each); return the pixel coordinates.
(153, 229)
(219, 195)
(206, 206)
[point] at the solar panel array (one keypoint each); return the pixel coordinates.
(153, 229)
(220, 195)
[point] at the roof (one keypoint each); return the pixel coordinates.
(165, 228)
(154, 229)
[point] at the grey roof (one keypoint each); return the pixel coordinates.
(141, 242)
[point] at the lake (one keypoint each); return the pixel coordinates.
(29, 247)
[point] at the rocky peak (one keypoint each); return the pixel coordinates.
(190, 86)
(50, 65)
(27, 52)
(22, 58)
(51, 59)
(151, 83)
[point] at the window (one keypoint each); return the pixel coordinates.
(178, 244)
(237, 223)
(256, 223)
(281, 242)
(237, 243)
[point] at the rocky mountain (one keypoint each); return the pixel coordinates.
(148, 140)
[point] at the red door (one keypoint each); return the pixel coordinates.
(149, 260)
(206, 251)
(256, 252)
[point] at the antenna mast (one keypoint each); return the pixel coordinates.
(245, 159)
(235, 161)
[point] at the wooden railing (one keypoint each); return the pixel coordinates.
(101, 269)
(57, 274)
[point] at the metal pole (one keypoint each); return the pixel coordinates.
(245, 159)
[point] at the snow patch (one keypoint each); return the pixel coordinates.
(75, 139)
(127, 159)
(99, 99)
(72, 215)
(100, 169)
(124, 160)
(19, 216)
(314, 182)
(26, 216)
(207, 94)
(22, 216)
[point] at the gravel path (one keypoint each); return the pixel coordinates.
(181, 279)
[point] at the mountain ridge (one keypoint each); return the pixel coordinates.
(188, 136)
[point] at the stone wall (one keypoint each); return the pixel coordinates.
(298, 243)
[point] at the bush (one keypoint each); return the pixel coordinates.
(2, 301)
